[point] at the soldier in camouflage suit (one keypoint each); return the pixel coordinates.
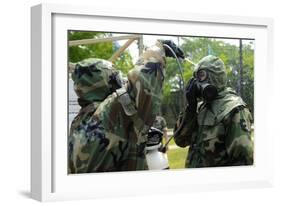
(111, 137)
(218, 129)
(94, 79)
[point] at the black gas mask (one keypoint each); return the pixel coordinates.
(204, 89)
(199, 87)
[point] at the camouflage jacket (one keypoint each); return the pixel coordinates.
(110, 137)
(106, 141)
(218, 135)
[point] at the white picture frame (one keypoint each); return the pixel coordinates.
(49, 179)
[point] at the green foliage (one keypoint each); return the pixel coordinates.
(174, 99)
(99, 50)
(124, 62)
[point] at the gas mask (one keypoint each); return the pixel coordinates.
(209, 78)
(204, 89)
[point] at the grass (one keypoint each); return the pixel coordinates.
(176, 156)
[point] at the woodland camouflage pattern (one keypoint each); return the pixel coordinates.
(219, 134)
(216, 70)
(111, 137)
(94, 79)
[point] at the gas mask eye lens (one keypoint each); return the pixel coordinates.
(202, 75)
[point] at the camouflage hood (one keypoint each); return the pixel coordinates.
(145, 83)
(145, 88)
(216, 70)
(94, 79)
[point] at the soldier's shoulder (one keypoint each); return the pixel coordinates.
(233, 104)
(222, 107)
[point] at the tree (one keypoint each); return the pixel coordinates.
(102, 50)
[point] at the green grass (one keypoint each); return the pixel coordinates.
(177, 158)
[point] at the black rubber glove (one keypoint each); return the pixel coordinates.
(191, 95)
(178, 51)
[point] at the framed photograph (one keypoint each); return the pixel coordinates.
(138, 102)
